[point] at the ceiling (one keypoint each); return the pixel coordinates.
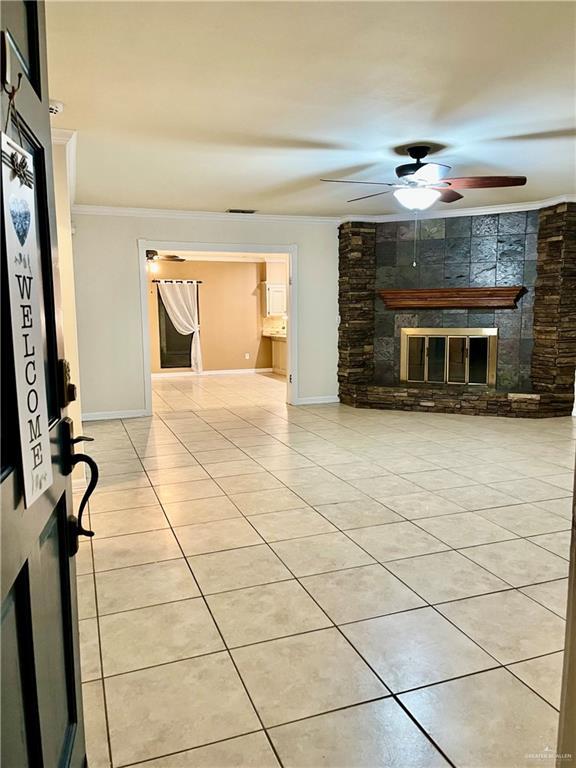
(213, 105)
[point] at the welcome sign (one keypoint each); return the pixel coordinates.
(24, 278)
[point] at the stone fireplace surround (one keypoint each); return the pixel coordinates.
(537, 341)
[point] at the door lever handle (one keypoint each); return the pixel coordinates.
(75, 527)
(69, 460)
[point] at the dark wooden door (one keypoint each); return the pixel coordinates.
(41, 695)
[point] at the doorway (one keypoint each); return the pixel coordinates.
(245, 299)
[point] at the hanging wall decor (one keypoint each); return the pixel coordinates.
(25, 290)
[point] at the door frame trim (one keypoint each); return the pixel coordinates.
(291, 251)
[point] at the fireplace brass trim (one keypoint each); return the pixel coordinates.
(490, 333)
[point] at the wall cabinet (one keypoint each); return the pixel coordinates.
(273, 299)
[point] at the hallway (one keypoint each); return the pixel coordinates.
(322, 586)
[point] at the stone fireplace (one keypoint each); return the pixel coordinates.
(467, 314)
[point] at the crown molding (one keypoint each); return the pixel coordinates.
(62, 135)
(160, 213)
(483, 210)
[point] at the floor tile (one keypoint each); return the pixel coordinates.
(124, 482)
(123, 521)
(111, 468)
(558, 543)
(95, 725)
(257, 481)
(153, 463)
(237, 568)
(142, 585)
(460, 713)
(416, 648)
(380, 488)
(86, 596)
(445, 576)
(175, 707)
(83, 559)
(357, 470)
(357, 514)
(261, 502)
(197, 489)
(266, 612)
(525, 519)
(379, 733)
(436, 479)
(319, 554)
(158, 634)
(176, 475)
(551, 594)
(562, 507)
(464, 529)
(519, 562)
(507, 626)
(543, 675)
(89, 650)
(215, 456)
(530, 489)
(290, 524)
(360, 593)
(200, 510)
(252, 751)
(329, 492)
(287, 460)
(417, 505)
(475, 497)
(316, 672)
(135, 549)
(243, 466)
(396, 540)
(108, 501)
(215, 536)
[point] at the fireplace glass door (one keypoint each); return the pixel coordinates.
(448, 355)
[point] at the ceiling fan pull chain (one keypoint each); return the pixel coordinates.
(415, 238)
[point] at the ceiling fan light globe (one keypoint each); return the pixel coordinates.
(417, 198)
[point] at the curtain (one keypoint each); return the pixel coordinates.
(181, 302)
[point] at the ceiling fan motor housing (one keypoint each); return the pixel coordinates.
(416, 152)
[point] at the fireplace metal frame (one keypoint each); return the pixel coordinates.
(490, 333)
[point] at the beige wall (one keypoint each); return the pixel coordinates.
(67, 290)
(109, 309)
(230, 313)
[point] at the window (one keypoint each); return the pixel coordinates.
(175, 348)
(448, 355)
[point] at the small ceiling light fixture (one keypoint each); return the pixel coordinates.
(151, 257)
(417, 198)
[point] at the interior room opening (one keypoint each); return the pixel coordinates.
(218, 313)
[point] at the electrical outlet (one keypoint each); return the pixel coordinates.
(246, 355)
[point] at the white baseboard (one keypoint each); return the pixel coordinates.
(106, 415)
(320, 400)
(231, 372)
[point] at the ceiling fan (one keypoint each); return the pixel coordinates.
(153, 257)
(420, 184)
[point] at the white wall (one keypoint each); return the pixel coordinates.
(108, 297)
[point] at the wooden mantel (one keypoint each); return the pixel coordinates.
(502, 297)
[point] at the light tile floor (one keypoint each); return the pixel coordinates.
(322, 586)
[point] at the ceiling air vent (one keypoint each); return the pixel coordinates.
(240, 210)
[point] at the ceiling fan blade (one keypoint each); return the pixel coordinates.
(484, 182)
(347, 181)
(376, 194)
(450, 196)
(431, 173)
